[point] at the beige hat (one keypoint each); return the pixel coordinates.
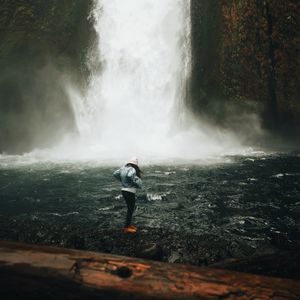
(134, 161)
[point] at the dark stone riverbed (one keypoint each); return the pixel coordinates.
(201, 214)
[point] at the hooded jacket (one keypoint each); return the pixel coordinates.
(128, 178)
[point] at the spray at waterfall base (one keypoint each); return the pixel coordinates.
(135, 104)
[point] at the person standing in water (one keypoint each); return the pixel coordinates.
(130, 178)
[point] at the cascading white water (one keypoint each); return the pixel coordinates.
(131, 104)
(135, 104)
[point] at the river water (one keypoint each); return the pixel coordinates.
(242, 196)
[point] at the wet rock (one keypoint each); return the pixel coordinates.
(239, 249)
(143, 197)
(180, 206)
(151, 251)
(280, 240)
(175, 257)
(149, 243)
(284, 264)
(76, 242)
(202, 261)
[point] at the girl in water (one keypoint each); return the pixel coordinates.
(130, 178)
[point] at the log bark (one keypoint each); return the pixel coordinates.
(40, 272)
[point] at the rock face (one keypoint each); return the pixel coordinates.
(246, 52)
(44, 45)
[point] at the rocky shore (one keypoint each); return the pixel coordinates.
(277, 256)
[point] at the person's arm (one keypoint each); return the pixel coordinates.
(117, 174)
(137, 182)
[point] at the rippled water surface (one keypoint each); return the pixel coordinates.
(245, 196)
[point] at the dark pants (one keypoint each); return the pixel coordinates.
(130, 201)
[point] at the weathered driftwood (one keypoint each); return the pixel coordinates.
(39, 272)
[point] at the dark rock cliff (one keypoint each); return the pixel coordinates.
(246, 58)
(44, 44)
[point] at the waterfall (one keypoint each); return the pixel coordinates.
(135, 103)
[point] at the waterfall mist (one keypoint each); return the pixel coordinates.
(135, 105)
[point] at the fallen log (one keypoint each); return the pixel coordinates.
(41, 272)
